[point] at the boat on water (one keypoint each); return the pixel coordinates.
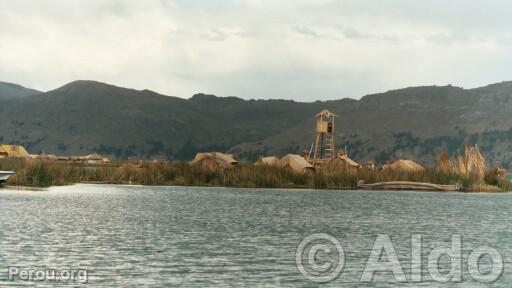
(404, 185)
(4, 175)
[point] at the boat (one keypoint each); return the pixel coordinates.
(405, 185)
(4, 175)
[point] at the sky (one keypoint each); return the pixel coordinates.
(305, 50)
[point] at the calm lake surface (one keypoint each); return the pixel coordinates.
(129, 236)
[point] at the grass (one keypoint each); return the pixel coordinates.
(38, 173)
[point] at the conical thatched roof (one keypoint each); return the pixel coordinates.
(268, 161)
(295, 163)
(404, 165)
(341, 163)
(345, 158)
(214, 160)
(13, 151)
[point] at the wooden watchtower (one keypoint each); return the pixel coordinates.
(323, 148)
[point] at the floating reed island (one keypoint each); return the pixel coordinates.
(220, 171)
(321, 167)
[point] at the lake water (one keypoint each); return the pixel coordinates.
(129, 236)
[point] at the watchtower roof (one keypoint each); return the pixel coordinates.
(326, 113)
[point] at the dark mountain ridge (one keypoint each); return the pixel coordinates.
(14, 91)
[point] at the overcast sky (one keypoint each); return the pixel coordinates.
(295, 49)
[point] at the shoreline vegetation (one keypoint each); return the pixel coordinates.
(41, 173)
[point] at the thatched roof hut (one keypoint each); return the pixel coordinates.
(342, 163)
(15, 151)
(404, 165)
(214, 160)
(295, 163)
(95, 159)
(267, 161)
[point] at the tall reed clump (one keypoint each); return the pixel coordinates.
(471, 164)
(472, 169)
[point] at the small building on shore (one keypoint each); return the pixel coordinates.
(404, 165)
(295, 163)
(341, 164)
(95, 159)
(214, 160)
(15, 151)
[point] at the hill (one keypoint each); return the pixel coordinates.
(14, 91)
(87, 116)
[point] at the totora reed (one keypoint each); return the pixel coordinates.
(37, 173)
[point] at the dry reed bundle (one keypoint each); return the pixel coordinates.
(443, 162)
(470, 164)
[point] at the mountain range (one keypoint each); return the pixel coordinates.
(83, 117)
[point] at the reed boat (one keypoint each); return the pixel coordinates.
(404, 185)
(4, 175)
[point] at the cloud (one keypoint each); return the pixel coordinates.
(306, 31)
(295, 49)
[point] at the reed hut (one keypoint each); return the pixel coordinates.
(214, 160)
(95, 159)
(267, 161)
(15, 151)
(404, 165)
(341, 164)
(295, 163)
